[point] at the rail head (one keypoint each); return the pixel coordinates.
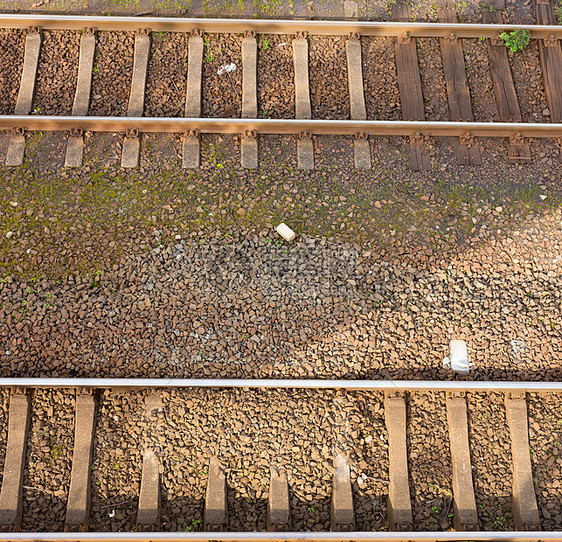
(449, 536)
(273, 26)
(351, 385)
(280, 126)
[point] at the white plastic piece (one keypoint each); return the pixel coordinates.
(226, 68)
(284, 231)
(458, 359)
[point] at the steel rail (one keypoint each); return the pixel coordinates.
(270, 26)
(415, 536)
(281, 126)
(356, 385)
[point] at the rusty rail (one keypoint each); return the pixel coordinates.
(268, 26)
(281, 126)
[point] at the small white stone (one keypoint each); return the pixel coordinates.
(14, 203)
(9, 234)
(458, 359)
(543, 196)
(284, 231)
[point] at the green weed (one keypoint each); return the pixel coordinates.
(516, 40)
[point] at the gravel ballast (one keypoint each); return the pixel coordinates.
(429, 461)
(297, 431)
(545, 418)
(222, 75)
(50, 443)
(327, 67)
(382, 96)
(492, 471)
(166, 82)
(57, 73)
(112, 73)
(12, 46)
(276, 77)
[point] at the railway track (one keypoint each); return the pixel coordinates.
(404, 32)
(158, 416)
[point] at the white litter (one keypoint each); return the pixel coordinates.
(458, 360)
(227, 68)
(519, 349)
(284, 231)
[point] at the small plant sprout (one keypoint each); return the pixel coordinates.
(193, 526)
(516, 40)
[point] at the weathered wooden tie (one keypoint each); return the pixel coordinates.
(362, 150)
(399, 502)
(303, 110)
(191, 156)
(11, 494)
(16, 143)
(409, 85)
(249, 141)
(458, 93)
(131, 144)
(78, 504)
(518, 149)
(215, 517)
(525, 511)
(464, 504)
(75, 145)
(278, 508)
(551, 59)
